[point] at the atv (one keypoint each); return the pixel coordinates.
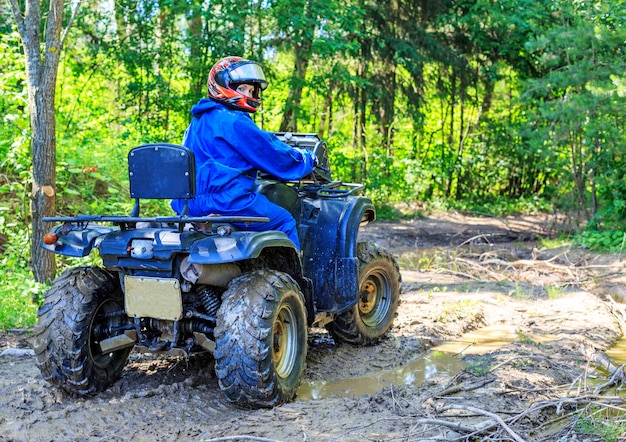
(183, 285)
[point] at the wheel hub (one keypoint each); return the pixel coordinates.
(279, 340)
(284, 342)
(369, 297)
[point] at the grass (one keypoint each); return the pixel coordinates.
(519, 293)
(422, 260)
(461, 309)
(555, 292)
(525, 339)
(478, 364)
(607, 430)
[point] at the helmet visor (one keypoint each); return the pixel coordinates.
(248, 73)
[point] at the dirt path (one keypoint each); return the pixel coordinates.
(545, 313)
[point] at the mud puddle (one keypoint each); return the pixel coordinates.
(434, 364)
(491, 338)
(618, 352)
(444, 360)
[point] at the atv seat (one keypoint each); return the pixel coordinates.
(161, 171)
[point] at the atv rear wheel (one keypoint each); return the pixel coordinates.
(379, 296)
(261, 339)
(83, 306)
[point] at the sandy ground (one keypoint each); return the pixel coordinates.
(496, 339)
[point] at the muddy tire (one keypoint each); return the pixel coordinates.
(77, 312)
(261, 339)
(379, 296)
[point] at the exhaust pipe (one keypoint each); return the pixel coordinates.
(218, 275)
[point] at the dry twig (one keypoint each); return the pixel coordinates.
(458, 388)
(493, 416)
(603, 360)
(242, 437)
(617, 311)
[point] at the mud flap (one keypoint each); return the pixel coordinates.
(346, 284)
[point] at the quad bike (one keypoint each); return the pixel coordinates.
(183, 285)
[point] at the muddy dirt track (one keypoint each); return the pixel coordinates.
(495, 339)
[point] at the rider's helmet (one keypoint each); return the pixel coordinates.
(227, 74)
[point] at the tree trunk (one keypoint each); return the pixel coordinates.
(44, 178)
(289, 122)
(41, 74)
(326, 117)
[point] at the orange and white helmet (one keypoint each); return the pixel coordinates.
(227, 74)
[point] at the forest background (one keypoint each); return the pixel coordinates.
(484, 105)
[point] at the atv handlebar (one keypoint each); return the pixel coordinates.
(337, 193)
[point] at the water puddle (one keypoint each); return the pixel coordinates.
(443, 360)
(490, 338)
(618, 352)
(432, 365)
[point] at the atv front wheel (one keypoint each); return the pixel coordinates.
(379, 296)
(261, 339)
(83, 306)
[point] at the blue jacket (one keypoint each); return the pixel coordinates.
(229, 149)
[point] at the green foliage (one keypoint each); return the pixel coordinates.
(602, 241)
(18, 300)
(502, 206)
(461, 309)
(14, 127)
(554, 292)
(478, 364)
(519, 292)
(575, 107)
(525, 339)
(386, 211)
(18, 291)
(607, 429)
(18, 296)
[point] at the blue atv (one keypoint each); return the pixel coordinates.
(184, 285)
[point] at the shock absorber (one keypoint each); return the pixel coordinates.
(210, 300)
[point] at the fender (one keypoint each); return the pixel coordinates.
(237, 246)
(330, 227)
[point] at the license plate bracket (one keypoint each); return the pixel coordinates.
(149, 297)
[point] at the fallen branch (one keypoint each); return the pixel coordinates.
(603, 360)
(458, 388)
(513, 358)
(617, 376)
(617, 311)
(478, 428)
(457, 426)
(493, 416)
(479, 266)
(452, 272)
(529, 263)
(483, 236)
(242, 437)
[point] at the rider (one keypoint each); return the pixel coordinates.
(230, 148)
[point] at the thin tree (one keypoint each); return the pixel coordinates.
(42, 62)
